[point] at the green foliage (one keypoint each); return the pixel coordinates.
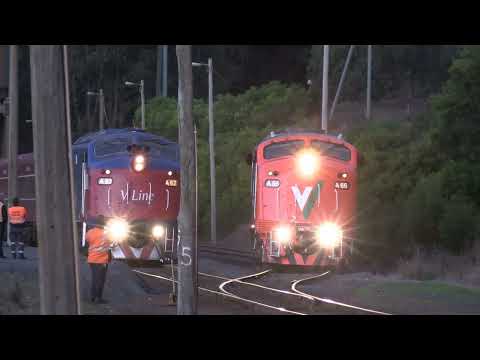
(420, 185)
(241, 121)
(419, 69)
(458, 224)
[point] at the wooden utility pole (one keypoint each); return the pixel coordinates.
(12, 128)
(13, 123)
(58, 260)
(326, 58)
(187, 244)
(4, 79)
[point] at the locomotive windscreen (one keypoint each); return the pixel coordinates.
(112, 146)
(335, 151)
(118, 145)
(281, 149)
(167, 151)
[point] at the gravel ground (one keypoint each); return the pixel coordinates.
(19, 292)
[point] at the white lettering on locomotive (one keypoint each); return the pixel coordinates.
(138, 195)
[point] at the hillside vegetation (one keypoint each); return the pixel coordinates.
(420, 184)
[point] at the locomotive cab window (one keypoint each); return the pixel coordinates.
(168, 151)
(282, 149)
(335, 151)
(111, 146)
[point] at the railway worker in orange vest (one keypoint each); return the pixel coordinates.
(99, 257)
(17, 217)
(3, 222)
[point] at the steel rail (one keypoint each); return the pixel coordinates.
(329, 301)
(240, 280)
(226, 293)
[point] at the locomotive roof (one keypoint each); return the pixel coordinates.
(288, 132)
(108, 133)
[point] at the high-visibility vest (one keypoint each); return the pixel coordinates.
(98, 247)
(17, 215)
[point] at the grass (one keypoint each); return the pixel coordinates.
(442, 294)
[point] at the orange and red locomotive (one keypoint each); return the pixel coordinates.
(304, 188)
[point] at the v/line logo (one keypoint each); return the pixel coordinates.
(306, 200)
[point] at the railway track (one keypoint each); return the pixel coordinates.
(329, 301)
(220, 291)
(227, 253)
(291, 301)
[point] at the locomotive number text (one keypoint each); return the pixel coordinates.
(342, 185)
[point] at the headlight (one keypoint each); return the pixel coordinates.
(283, 234)
(307, 163)
(158, 231)
(139, 163)
(118, 229)
(329, 235)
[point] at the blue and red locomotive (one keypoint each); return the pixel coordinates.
(129, 176)
(132, 178)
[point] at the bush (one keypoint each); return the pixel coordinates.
(458, 225)
(240, 123)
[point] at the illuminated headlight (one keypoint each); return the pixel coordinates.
(139, 163)
(329, 235)
(158, 231)
(282, 234)
(118, 229)
(307, 163)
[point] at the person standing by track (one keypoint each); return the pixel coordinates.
(3, 223)
(17, 217)
(99, 256)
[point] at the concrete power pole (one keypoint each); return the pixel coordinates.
(142, 100)
(342, 79)
(369, 84)
(158, 85)
(187, 242)
(211, 139)
(101, 110)
(326, 58)
(58, 258)
(165, 71)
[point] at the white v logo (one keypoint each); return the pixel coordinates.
(301, 198)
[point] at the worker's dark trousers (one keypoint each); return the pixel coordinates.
(99, 274)
(16, 239)
(2, 236)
